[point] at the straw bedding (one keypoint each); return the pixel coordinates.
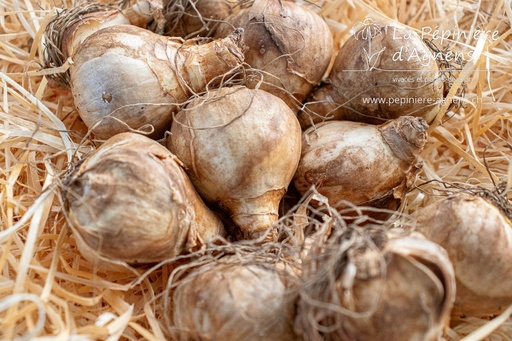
(48, 291)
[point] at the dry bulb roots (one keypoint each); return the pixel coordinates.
(366, 286)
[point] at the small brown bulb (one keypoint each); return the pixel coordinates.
(360, 163)
(252, 301)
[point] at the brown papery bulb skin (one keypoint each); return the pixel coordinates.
(323, 104)
(235, 302)
(125, 77)
(404, 291)
(131, 201)
(141, 13)
(288, 46)
(478, 239)
(88, 24)
(241, 148)
(360, 163)
(385, 62)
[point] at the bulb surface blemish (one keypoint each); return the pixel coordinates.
(106, 97)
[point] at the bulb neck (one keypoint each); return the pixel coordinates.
(406, 136)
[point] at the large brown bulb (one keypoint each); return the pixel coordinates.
(127, 78)
(130, 201)
(240, 148)
(287, 46)
(360, 163)
(383, 71)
